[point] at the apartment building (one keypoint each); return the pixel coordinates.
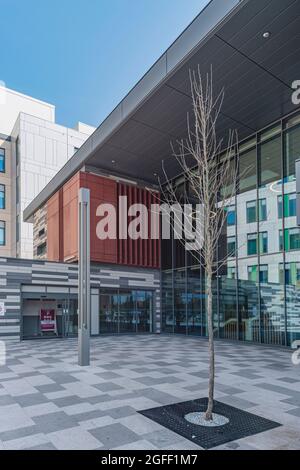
(33, 147)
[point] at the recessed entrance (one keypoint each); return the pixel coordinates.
(49, 315)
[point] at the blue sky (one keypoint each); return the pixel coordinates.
(85, 55)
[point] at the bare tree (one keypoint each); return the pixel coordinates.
(212, 181)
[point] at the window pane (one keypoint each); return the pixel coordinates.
(231, 272)
(281, 241)
(180, 299)
(292, 205)
(263, 274)
(2, 196)
(279, 204)
(194, 301)
(294, 236)
(167, 302)
(292, 146)
(270, 161)
(248, 171)
(2, 160)
(262, 210)
(263, 242)
(269, 133)
(231, 246)
(292, 121)
(252, 244)
(231, 216)
(252, 273)
(2, 233)
(228, 308)
(251, 212)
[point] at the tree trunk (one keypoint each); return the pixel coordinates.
(211, 352)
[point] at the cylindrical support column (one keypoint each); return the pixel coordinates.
(84, 294)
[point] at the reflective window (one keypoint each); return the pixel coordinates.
(123, 311)
(252, 247)
(291, 274)
(231, 246)
(251, 212)
(231, 218)
(288, 207)
(251, 208)
(231, 272)
(253, 273)
(2, 160)
(252, 243)
(248, 171)
(263, 242)
(291, 239)
(2, 196)
(270, 162)
(42, 249)
(292, 146)
(2, 233)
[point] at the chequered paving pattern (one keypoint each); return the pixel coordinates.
(48, 402)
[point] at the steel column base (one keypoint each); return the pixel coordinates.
(83, 347)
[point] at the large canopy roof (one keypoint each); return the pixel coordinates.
(256, 72)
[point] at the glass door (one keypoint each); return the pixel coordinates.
(143, 301)
(109, 312)
(126, 311)
(127, 315)
(70, 317)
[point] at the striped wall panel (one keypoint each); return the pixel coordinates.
(15, 273)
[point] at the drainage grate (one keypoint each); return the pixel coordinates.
(241, 423)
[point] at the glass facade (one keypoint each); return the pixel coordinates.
(123, 311)
(257, 293)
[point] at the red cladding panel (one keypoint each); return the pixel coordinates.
(102, 191)
(140, 253)
(62, 215)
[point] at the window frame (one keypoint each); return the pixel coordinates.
(3, 228)
(4, 196)
(4, 159)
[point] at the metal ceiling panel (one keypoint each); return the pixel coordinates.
(256, 73)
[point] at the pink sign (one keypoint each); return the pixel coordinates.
(48, 322)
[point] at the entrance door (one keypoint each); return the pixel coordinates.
(70, 317)
(143, 301)
(109, 312)
(63, 309)
(127, 310)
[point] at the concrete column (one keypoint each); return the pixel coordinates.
(84, 291)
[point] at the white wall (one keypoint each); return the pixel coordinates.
(44, 148)
(12, 103)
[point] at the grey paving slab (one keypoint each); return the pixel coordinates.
(54, 422)
(47, 446)
(108, 387)
(114, 435)
(163, 438)
(121, 412)
(29, 400)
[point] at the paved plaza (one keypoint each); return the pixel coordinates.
(48, 402)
